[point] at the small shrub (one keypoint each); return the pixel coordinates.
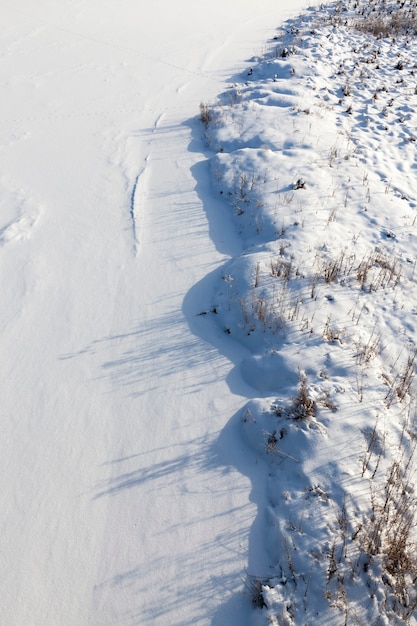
(205, 113)
(304, 407)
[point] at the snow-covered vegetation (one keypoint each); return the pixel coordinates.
(313, 151)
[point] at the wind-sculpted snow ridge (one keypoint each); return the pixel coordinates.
(315, 156)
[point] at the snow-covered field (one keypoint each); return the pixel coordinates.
(120, 500)
(208, 331)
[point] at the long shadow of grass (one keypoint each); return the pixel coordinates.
(207, 457)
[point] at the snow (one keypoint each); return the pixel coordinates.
(120, 501)
(207, 330)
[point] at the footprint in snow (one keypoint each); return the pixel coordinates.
(17, 229)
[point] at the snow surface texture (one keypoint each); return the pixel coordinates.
(315, 159)
(124, 498)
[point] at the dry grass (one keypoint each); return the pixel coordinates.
(255, 585)
(390, 533)
(387, 23)
(400, 384)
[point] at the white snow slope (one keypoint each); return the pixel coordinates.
(124, 499)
